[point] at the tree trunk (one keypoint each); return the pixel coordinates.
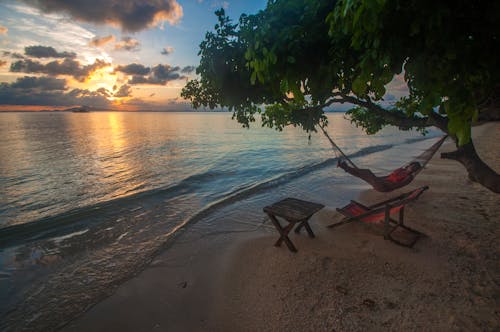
(477, 169)
(466, 155)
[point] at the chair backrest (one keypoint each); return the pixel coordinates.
(412, 195)
(377, 212)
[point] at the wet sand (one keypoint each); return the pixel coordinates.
(346, 279)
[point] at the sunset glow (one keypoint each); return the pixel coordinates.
(59, 56)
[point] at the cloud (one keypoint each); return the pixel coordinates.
(42, 83)
(128, 44)
(39, 51)
(389, 97)
(54, 30)
(396, 89)
(13, 55)
(45, 91)
(146, 104)
(159, 75)
(3, 63)
(101, 41)
(123, 91)
(103, 92)
(188, 69)
(129, 15)
(167, 50)
(133, 69)
(3, 30)
(66, 67)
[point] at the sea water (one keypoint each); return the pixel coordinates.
(87, 199)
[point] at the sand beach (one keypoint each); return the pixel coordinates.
(346, 279)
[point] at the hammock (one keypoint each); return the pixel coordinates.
(396, 179)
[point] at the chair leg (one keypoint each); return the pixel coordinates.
(283, 233)
(401, 215)
(387, 218)
(412, 230)
(400, 223)
(342, 222)
(408, 245)
(308, 228)
(299, 227)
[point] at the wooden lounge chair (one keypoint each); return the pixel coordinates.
(382, 211)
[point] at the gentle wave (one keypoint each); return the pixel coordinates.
(72, 220)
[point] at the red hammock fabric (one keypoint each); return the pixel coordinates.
(397, 178)
(399, 175)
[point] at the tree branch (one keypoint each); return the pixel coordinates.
(399, 118)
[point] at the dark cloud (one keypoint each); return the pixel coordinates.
(137, 79)
(123, 91)
(39, 51)
(159, 75)
(42, 83)
(103, 92)
(66, 67)
(101, 41)
(130, 15)
(13, 55)
(165, 72)
(167, 50)
(188, 69)
(133, 69)
(128, 44)
(174, 104)
(21, 93)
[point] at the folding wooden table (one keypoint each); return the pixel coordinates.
(294, 211)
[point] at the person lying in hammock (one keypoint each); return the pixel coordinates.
(397, 179)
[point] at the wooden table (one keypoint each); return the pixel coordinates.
(294, 211)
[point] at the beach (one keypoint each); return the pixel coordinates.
(346, 279)
(98, 211)
(183, 166)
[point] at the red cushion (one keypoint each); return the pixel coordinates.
(354, 209)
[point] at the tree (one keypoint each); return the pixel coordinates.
(296, 57)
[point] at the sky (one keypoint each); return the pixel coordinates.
(109, 54)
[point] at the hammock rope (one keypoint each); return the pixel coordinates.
(337, 148)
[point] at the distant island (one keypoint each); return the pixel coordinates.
(88, 109)
(81, 109)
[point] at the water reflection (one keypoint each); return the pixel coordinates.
(187, 163)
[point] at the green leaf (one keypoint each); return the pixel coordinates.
(284, 86)
(359, 86)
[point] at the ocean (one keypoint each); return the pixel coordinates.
(88, 199)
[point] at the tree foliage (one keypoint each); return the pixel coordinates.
(448, 51)
(296, 57)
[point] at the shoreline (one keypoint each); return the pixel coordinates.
(347, 279)
(350, 279)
